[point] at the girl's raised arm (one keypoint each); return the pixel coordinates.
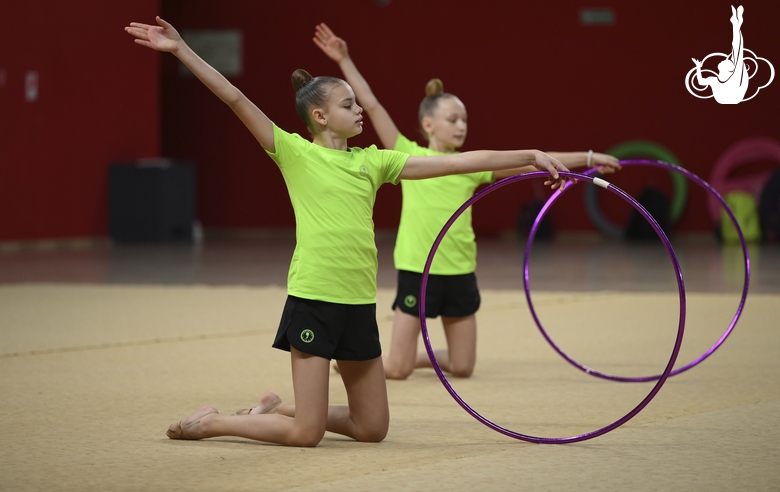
(336, 49)
(165, 38)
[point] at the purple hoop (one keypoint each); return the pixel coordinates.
(593, 372)
(680, 328)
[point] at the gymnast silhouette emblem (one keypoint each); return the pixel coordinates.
(730, 84)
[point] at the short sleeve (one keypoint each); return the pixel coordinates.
(486, 177)
(287, 146)
(391, 163)
(403, 144)
(407, 146)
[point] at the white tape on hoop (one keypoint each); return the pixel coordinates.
(601, 182)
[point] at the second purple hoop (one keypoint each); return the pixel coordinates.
(680, 327)
(713, 348)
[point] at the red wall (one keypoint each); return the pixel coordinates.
(529, 73)
(98, 102)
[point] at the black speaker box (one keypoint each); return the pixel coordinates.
(151, 201)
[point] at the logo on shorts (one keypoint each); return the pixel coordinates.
(410, 301)
(307, 336)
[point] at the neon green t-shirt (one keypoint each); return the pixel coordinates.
(427, 206)
(333, 193)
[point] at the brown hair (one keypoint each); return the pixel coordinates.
(434, 91)
(311, 92)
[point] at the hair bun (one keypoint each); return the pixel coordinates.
(299, 78)
(434, 87)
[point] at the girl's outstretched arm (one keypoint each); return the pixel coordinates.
(605, 163)
(336, 49)
(164, 37)
(483, 160)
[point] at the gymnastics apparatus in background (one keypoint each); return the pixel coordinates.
(634, 149)
(668, 371)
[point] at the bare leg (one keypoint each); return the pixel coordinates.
(365, 419)
(367, 416)
(461, 355)
(400, 361)
(306, 428)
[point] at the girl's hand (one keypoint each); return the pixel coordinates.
(161, 38)
(546, 163)
(329, 43)
(606, 164)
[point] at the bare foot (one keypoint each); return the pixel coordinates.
(187, 428)
(268, 404)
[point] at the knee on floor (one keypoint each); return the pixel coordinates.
(376, 433)
(398, 373)
(462, 371)
(306, 438)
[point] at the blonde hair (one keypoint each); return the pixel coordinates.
(434, 91)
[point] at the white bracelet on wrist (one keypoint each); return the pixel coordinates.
(590, 157)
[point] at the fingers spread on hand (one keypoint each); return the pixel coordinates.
(321, 32)
(326, 29)
(138, 33)
(320, 36)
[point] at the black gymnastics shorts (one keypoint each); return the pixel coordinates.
(329, 330)
(446, 295)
